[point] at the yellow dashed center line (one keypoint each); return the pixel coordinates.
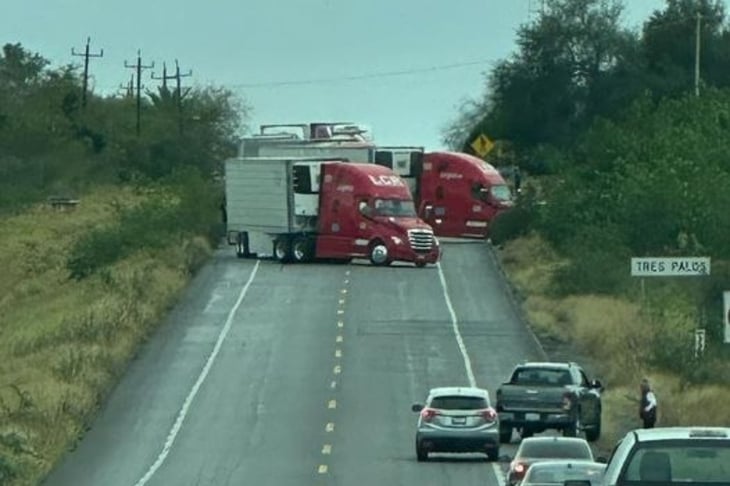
(339, 338)
(330, 427)
(333, 385)
(337, 370)
(332, 404)
(322, 469)
(326, 449)
(338, 353)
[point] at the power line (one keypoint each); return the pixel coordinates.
(384, 74)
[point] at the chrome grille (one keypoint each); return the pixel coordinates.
(421, 239)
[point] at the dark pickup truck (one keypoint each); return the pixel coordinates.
(542, 396)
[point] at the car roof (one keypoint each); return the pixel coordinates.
(669, 433)
(546, 364)
(464, 391)
(553, 439)
(569, 463)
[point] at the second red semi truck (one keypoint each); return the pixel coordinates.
(302, 209)
(456, 193)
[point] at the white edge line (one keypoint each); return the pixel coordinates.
(455, 325)
(196, 387)
(499, 474)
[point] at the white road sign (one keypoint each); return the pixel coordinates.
(726, 315)
(670, 267)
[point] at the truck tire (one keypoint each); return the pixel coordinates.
(378, 253)
(573, 430)
(282, 249)
(505, 434)
(302, 250)
(242, 248)
(420, 264)
(594, 433)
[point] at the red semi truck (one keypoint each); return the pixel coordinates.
(302, 209)
(456, 193)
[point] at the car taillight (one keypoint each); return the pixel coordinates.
(489, 415)
(567, 401)
(427, 414)
(518, 468)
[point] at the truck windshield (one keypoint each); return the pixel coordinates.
(395, 207)
(501, 192)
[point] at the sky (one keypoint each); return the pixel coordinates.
(290, 60)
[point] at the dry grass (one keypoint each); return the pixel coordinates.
(611, 333)
(65, 342)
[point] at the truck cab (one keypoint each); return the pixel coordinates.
(459, 194)
(367, 211)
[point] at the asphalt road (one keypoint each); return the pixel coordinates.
(304, 374)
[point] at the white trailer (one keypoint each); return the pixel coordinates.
(269, 196)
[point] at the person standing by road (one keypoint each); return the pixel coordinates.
(647, 405)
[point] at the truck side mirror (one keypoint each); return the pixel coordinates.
(427, 210)
(596, 384)
(416, 407)
(364, 209)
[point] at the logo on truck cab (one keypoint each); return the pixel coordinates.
(387, 180)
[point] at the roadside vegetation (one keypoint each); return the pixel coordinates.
(83, 284)
(623, 161)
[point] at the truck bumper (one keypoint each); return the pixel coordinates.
(541, 420)
(405, 254)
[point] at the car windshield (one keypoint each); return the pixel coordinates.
(394, 207)
(558, 473)
(683, 461)
(459, 403)
(556, 449)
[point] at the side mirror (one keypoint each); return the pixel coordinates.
(596, 384)
(364, 209)
(427, 210)
(417, 407)
(602, 459)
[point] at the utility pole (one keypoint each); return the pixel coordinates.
(697, 53)
(139, 68)
(179, 95)
(86, 55)
(164, 76)
(128, 88)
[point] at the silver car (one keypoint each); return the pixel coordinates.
(457, 419)
(556, 473)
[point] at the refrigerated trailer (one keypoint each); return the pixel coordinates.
(302, 209)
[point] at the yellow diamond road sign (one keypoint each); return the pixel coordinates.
(482, 145)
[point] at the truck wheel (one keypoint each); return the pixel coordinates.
(420, 264)
(282, 249)
(302, 249)
(505, 435)
(379, 253)
(421, 454)
(573, 430)
(594, 434)
(242, 248)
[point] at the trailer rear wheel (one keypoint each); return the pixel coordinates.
(302, 249)
(242, 247)
(282, 249)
